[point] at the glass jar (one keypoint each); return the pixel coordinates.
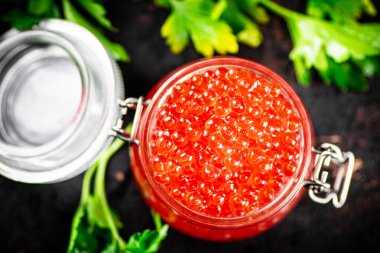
(59, 92)
(312, 170)
(62, 103)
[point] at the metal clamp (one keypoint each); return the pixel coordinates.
(136, 104)
(322, 192)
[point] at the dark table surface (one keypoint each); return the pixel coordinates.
(37, 218)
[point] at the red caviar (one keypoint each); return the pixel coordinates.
(226, 141)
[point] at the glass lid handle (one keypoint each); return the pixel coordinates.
(126, 105)
(331, 162)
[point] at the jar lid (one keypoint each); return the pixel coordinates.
(59, 92)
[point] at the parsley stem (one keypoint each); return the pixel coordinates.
(100, 191)
(86, 185)
(156, 220)
(278, 9)
(101, 194)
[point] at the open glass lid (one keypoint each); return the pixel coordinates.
(59, 93)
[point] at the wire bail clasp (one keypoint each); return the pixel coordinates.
(321, 191)
(126, 105)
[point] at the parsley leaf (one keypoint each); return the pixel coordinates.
(252, 8)
(247, 31)
(148, 241)
(340, 12)
(193, 19)
(72, 14)
(20, 19)
(338, 52)
(25, 13)
(98, 12)
(324, 45)
(40, 7)
(328, 39)
(86, 236)
(212, 25)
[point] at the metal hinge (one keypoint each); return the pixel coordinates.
(328, 157)
(126, 105)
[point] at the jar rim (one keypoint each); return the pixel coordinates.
(94, 131)
(281, 199)
(48, 38)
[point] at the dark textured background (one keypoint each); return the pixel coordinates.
(37, 218)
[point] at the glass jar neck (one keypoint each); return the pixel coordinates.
(21, 95)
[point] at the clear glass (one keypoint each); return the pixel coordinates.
(201, 225)
(59, 92)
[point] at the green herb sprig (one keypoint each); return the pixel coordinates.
(95, 227)
(328, 38)
(343, 52)
(23, 14)
(212, 26)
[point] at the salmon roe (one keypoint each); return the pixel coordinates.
(225, 142)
